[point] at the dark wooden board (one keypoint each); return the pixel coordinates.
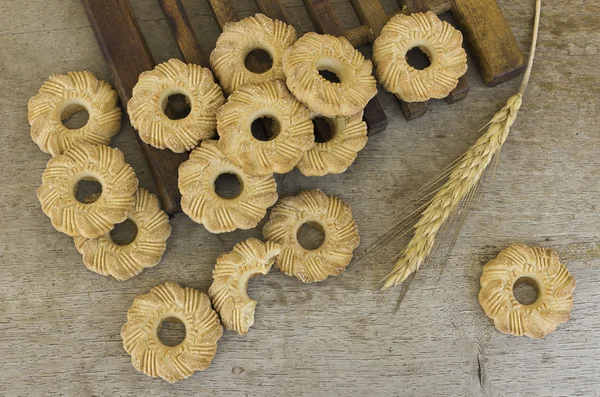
(491, 40)
(127, 55)
(273, 9)
(323, 16)
(183, 32)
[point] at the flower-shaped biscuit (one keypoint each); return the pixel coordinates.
(230, 280)
(314, 53)
(200, 201)
(437, 39)
(103, 256)
(61, 96)
(332, 215)
(539, 267)
(348, 137)
(101, 163)
(240, 38)
(145, 318)
(146, 108)
(293, 137)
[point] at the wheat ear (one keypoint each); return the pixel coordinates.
(464, 177)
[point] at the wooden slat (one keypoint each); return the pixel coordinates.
(491, 40)
(273, 9)
(222, 11)
(183, 32)
(323, 16)
(360, 35)
(127, 55)
(370, 13)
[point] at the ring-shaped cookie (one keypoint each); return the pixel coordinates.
(103, 256)
(145, 317)
(101, 163)
(278, 154)
(202, 204)
(146, 108)
(332, 215)
(61, 96)
(348, 137)
(230, 280)
(313, 53)
(438, 39)
(540, 267)
(239, 39)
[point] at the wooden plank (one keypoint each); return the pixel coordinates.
(490, 38)
(223, 12)
(360, 35)
(323, 16)
(111, 23)
(183, 32)
(273, 9)
(370, 13)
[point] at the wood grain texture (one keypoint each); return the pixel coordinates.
(223, 12)
(126, 59)
(273, 9)
(493, 44)
(60, 323)
(183, 32)
(370, 13)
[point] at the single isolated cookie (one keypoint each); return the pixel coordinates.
(230, 281)
(239, 39)
(330, 214)
(201, 202)
(99, 163)
(313, 54)
(293, 130)
(61, 96)
(156, 88)
(348, 137)
(441, 42)
(170, 302)
(539, 267)
(103, 256)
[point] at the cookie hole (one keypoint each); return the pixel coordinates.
(177, 106)
(323, 129)
(228, 186)
(171, 332)
(88, 190)
(75, 117)
(525, 290)
(310, 235)
(124, 233)
(329, 75)
(418, 58)
(258, 61)
(265, 128)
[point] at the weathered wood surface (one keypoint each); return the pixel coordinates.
(60, 323)
(127, 55)
(492, 43)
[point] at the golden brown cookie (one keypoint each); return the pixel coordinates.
(61, 96)
(101, 163)
(230, 280)
(313, 53)
(239, 39)
(103, 256)
(200, 201)
(294, 128)
(539, 267)
(145, 318)
(438, 39)
(332, 215)
(348, 137)
(146, 108)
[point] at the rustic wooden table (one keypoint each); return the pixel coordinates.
(60, 323)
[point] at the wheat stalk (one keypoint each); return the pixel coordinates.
(465, 175)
